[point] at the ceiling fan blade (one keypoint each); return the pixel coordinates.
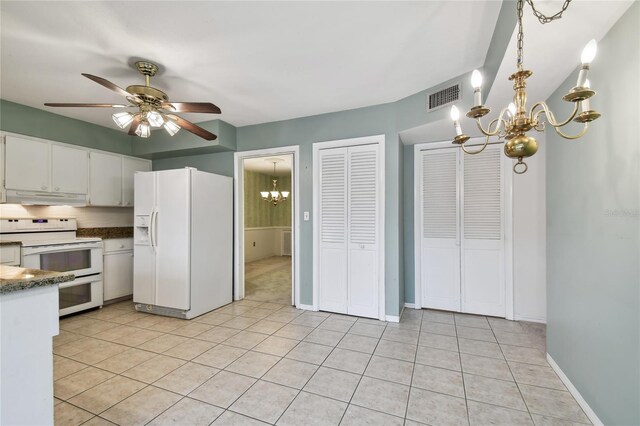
(193, 128)
(51, 104)
(109, 85)
(202, 107)
(134, 125)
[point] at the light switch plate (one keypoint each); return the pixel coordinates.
(306, 215)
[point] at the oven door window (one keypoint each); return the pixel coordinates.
(66, 260)
(75, 295)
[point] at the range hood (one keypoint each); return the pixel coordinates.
(46, 198)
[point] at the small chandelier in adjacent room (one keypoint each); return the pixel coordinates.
(514, 121)
(274, 196)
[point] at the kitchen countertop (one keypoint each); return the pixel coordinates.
(106, 233)
(9, 243)
(14, 279)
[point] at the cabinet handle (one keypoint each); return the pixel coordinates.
(57, 188)
(121, 245)
(43, 187)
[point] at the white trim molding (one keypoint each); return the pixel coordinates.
(392, 318)
(575, 393)
(238, 217)
(410, 305)
(305, 307)
(366, 140)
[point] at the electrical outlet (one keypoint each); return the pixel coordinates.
(306, 215)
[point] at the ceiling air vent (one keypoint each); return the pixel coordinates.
(443, 97)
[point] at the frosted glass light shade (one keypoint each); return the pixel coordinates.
(264, 194)
(171, 127)
(275, 194)
(143, 130)
(285, 194)
(122, 119)
(155, 119)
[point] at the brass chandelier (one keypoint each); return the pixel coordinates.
(274, 196)
(514, 122)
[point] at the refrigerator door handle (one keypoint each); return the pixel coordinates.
(152, 229)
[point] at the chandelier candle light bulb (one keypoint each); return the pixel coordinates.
(588, 54)
(455, 116)
(476, 83)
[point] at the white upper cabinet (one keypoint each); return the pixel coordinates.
(69, 170)
(27, 164)
(105, 179)
(38, 171)
(129, 167)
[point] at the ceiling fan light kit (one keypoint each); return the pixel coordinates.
(154, 108)
(514, 121)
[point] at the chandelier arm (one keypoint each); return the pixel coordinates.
(499, 122)
(579, 135)
(486, 142)
(550, 117)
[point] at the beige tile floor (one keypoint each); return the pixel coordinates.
(254, 362)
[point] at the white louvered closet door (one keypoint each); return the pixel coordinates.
(483, 279)
(440, 263)
(363, 194)
(349, 194)
(333, 254)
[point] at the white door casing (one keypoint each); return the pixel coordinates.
(238, 217)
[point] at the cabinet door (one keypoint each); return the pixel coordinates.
(118, 275)
(129, 167)
(27, 164)
(105, 179)
(69, 170)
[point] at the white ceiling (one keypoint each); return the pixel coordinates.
(258, 61)
(552, 51)
(265, 165)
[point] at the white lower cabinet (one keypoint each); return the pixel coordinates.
(118, 268)
(10, 255)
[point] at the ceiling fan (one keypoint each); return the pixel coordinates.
(154, 108)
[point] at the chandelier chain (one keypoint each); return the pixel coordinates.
(546, 19)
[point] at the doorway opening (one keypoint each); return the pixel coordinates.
(266, 229)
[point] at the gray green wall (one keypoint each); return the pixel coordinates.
(259, 213)
(593, 235)
(29, 121)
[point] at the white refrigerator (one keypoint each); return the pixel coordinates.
(183, 242)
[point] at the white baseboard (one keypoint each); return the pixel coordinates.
(410, 305)
(305, 307)
(530, 319)
(576, 394)
(392, 318)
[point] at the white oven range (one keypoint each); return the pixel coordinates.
(51, 244)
